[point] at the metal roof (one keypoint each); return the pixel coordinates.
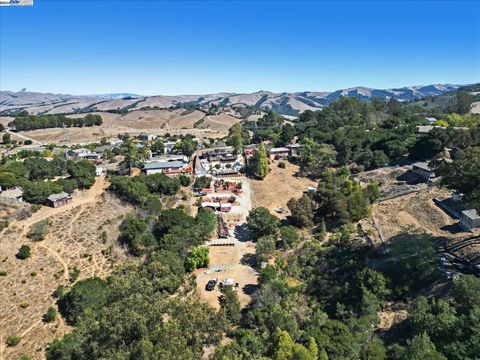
(163, 165)
(58, 196)
(422, 165)
(471, 213)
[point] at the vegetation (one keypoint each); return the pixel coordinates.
(259, 163)
(38, 230)
(23, 253)
(50, 315)
(262, 223)
(13, 340)
(198, 258)
(35, 175)
(25, 122)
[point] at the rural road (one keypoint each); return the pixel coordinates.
(15, 134)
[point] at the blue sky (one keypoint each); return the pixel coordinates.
(163, 47)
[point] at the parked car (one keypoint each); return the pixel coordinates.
(200, 194)
(211, 284)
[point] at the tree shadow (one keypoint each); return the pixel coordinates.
(242, 232)
(410, 178)
(249, 289)
(453, 229)
(249, 260)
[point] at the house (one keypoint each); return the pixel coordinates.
(294, 149)
(222, 207)
(169, 147)
(147, 137)
(79, 154)
(169, 158)
(431, 120)
(156, 167)
(470, 219)
(225, 154)
(15, 193)
(278, 153)
(59, 199)
(423, 170)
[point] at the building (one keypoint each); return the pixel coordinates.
(470, 219)
(59, 199)
(15, 193)
(225, 154)
(294, 149)
(431, 120)
(423, 170)
(156, 167)
(79, 154)
(147, 137)
(169, 158)
(278, 153)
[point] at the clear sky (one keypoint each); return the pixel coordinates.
(196, 47)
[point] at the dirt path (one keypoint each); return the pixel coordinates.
(82, 198)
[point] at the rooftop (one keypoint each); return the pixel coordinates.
(163, 165)
(471, 213)
(422, 165)
(55, 197)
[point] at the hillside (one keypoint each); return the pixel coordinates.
(283, 103)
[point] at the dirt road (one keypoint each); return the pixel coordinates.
(232, 261)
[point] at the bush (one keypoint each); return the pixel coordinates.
(282, 165)
(3, 273)
(184, 180)
(23, 252)
(38, 230)
(13, 340)
(59, 292)
(197, 258)
(50, 315)
(3, 224)
(289, 236)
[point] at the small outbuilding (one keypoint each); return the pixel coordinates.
(60, 199)
(423, 170)
(470, 219)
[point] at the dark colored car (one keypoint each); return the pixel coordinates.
(211, 284)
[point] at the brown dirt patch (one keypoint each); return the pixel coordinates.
(414, 210)
(278, 187)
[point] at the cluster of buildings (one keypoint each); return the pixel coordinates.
(167, 164)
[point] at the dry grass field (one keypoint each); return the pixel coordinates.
(82, 235)
(416, 210)
(159, 122)
(278, 187)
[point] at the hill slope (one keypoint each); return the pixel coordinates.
(283, 103)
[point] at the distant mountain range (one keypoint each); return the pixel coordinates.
(283, 103)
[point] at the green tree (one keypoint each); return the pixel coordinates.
(289, 236)
(261, 222)
(315, 158)
(88, 294)
(265, 248)
(198, 258)
(230, 304)
(260, 162)
(235, 137)
(7, 138)
(301, 211)
(83, 172)
(464, 102)
(421, 348)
